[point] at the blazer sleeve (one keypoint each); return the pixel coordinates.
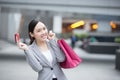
(58, 52)
(32, 60)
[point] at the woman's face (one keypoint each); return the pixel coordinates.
(40, 32)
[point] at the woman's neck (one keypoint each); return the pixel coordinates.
(42, 45)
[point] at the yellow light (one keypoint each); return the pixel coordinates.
(77, 24)
(113, 25)
(94, 26)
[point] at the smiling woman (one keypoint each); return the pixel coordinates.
(39, 32)
(43, 54)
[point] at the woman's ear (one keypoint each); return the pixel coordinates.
(31, 34)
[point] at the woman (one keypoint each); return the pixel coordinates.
(43, 53)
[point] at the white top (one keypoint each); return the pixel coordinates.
(49, 57)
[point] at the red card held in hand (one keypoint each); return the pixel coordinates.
(17, 37)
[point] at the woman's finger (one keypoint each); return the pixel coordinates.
(51, 35)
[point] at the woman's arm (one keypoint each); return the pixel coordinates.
(34, 63)
(58, 52)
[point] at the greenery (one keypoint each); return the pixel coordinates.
(66, 35)
(117, 39)
(81, 36)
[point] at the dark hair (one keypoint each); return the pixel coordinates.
(31, 27)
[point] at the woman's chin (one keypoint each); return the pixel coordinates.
(44, 39)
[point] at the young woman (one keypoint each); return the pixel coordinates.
(43, 54)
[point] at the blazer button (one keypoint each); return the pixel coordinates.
(51, 68)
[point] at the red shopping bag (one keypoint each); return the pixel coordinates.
(72, 59)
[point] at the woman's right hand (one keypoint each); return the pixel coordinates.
(22, 46)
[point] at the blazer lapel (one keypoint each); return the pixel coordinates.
(39, 53)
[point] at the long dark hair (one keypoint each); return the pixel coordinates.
(31, 27)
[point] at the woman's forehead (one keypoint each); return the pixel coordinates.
(40, 25)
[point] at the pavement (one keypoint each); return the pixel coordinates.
(13, 65)
(10, 51)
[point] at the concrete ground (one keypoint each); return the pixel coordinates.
(13, 65)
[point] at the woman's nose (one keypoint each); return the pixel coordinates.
(43, 31)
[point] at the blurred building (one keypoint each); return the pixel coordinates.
(57, 15)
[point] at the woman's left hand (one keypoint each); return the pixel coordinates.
(51, 35)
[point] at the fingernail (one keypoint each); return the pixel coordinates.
(50, 31)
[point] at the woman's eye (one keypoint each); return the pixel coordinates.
(44, 28)
(38, 30)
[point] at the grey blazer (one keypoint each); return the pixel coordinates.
(41, 65)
